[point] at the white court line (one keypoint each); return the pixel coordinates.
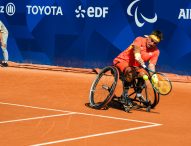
(87, 136)
(35, 118)
(117, 118)
(102, 116)
(95, 135)
(28, 106)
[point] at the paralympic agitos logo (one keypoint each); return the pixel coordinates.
(137, 20)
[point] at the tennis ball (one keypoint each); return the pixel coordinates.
(145, 77)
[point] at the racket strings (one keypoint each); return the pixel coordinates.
(163, 86)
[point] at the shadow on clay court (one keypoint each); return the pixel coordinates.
(118, 106)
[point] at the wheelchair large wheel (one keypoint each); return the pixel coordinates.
(149, 96)
(103, 87)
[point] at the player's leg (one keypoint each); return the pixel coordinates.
(140, 81)
(127, 75)
(4, 37)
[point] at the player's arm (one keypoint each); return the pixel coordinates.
(0, 31)
(153, 60)
(152, 66)
(137, 54)
(0, 36)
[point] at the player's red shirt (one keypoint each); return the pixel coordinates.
(147, 54)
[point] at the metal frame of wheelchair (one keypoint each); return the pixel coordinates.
(127, 99)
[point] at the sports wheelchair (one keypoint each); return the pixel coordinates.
(103, 91)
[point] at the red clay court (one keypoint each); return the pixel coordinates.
(43, 107)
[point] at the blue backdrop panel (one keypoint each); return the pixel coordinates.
(86, 33)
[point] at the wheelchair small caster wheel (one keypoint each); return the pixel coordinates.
(148, 109)
(105, 107)
(127, 109)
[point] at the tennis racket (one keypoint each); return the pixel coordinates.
(160, 83)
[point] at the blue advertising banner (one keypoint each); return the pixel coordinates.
(87, 33)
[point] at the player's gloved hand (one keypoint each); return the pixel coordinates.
(143, 65)
(154, 79)
(139, 59)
